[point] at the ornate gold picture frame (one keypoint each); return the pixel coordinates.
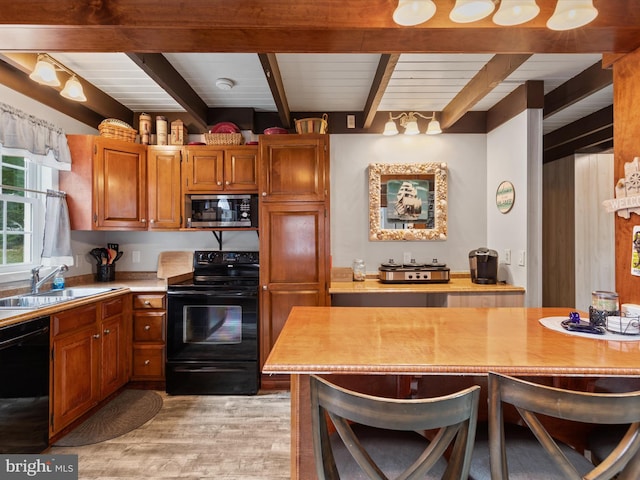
(408, 201)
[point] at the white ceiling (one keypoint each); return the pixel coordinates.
(330, 82)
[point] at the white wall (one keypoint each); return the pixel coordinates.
(520, 229)
(466, 160)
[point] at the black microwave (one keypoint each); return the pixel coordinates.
(213, 211)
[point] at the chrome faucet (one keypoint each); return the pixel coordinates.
(36, 283)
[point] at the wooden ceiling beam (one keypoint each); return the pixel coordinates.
(490, 76)
(162, 72)
(299, 26)
(586, 83)
(592, 123)
(15, 75)
(386, 66)
(274, 79)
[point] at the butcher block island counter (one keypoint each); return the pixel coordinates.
(460, 291)
(381, 350)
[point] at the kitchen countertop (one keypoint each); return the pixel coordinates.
(121, 285)
(373, 285)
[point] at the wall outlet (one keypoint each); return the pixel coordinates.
(521, 258)
(507, 256)
(406, 257)
(135, 256)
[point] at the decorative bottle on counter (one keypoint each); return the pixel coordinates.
(359, 270)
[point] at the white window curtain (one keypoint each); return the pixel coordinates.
(39, 141)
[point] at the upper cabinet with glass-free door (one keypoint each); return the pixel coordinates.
(293, 168)
(107, 185)
(220, 169)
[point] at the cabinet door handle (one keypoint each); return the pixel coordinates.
(143, 220)
(147, 327)
(219, 183)
(96, 336)
(264, 287)
(147, 303)
(107, 331)
(152, 220)
(227, 183)
(264, 194)
(147, 362)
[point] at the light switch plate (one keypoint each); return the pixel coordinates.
(135, 256)
(521, 258)
(507, 256)
(351, 121)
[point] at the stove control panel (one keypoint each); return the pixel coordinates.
(215, 257)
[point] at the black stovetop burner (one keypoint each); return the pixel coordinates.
(218, 270)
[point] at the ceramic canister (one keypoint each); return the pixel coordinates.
(161, 130)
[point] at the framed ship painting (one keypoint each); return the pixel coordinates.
(408, 201)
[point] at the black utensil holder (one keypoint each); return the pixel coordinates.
(106, 273)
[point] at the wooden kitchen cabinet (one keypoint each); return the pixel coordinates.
(294, 233)
(107, 185)
(229, 169)
(149, 326)
(294, 168)
(115, 352)
(90, 357)
(163, 187)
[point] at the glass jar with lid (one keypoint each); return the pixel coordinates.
(359, 270)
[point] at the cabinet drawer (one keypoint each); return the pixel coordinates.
(148, 301)
(113, 307)
(148, 361)
(148, 327)
(73, 319)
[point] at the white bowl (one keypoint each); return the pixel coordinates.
(626, 325)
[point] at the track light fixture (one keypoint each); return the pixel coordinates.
(45, 74)
(568, 14)
(410, 124)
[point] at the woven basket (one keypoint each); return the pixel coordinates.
(312, 125)
(117, 131)
(223, 138)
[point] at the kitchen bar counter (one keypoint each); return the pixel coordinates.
(374, 346)
(371, 285)
(458, 292)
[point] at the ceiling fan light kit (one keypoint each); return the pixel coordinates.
(568, 14)
(45, 74)
(516, 12)
(571, 14)
(410, 124)
(413, 12)
(466, 11)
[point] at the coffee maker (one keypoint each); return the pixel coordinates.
(483, 263)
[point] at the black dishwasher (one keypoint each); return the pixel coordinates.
(24, 386)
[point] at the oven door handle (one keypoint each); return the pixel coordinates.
(21, 338)
(217, 293)
(207, 369)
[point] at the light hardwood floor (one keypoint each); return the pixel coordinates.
(198, 437)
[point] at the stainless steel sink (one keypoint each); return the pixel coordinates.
(44, 299)
(75, 292)
(28, 302)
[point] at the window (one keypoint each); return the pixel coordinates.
(21, 213)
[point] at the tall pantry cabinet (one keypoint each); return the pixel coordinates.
(294, 232)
